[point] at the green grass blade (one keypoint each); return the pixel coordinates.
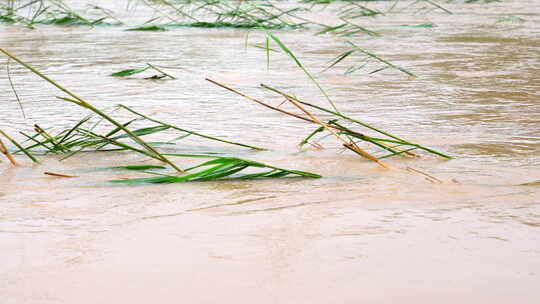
(129, 72)
(301, 66)
(380, 59)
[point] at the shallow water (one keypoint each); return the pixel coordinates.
(359, 234)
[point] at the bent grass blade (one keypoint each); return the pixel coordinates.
(216, 169)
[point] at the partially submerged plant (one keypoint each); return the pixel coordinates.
(5, 151)
(79, 138)
(350, 138)
(128, 72)
(215, 169)
(54, 12)
(150, 151)
(82, 138)
(219, 13)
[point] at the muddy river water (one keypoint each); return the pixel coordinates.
(360, 234)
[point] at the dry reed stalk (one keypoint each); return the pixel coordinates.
(428, 177)
(341, 127)
(278, 109)
(346, 142)
(258, 101)
(58, 174)
(4, 151)
(313, 119)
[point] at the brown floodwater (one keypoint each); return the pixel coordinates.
(360, 234)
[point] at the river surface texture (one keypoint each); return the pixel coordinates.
(359, 234)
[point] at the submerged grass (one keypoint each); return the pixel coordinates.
(262, 15)
(79, 138)
(53, 12)
(215, 169)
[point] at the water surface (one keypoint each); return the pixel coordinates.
(359, 234)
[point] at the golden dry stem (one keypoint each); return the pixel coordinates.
(4, 151)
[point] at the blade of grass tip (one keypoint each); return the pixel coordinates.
(380, 59)
(13, 88)
(338, 59)
(90, 107)
(76, 126)
(302, 67)
(5, 151)
(347, 143)
(19, 147)
(191, 132)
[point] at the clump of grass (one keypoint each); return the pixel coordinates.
(148, 150)
(85, 137)
(80, 138)
(215, 169)
(217, 13)
(54, 12)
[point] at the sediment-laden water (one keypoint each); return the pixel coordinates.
(360, 234)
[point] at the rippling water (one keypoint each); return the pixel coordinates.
(361, 234)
